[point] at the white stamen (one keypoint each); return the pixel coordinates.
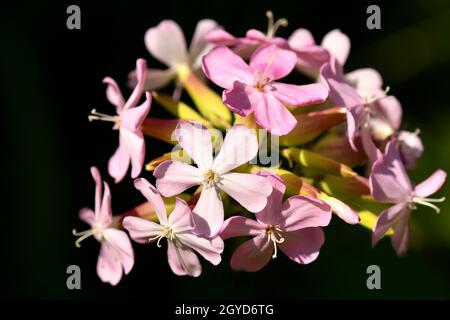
(429, 202)
(211, 178)
(377, 98)
(96, 231)
(167, 233)
(274, 235)
(104, 117)
(272, 27)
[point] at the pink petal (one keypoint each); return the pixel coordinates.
(271, 214)
(183, 261)
(257, 35)
(343, 211)
(239, 146)
(208, 213)
(371, 150)
(141, 74)
(386, 220)
(113, 94)
(342, 93)
(196, 141)
(155, 78)
(338, 44)
(303, 246)
(221, 37)
(181, 218)
(98, 188)
(410, 147)
(301, 38)
(104, 216)
(131, 119)
(223, 67)
(199, 46)
(299, 95)
(249, 190)
(272, 115)
(141, 230)
(166, 43)
(173, 177)
(135, 146)
(355, 118)
(400, 238)
(390, 110)
(203, 246)
(389, 180)
(252, 255)
(366, 80)
(301, 212)
(152, 195)
(119, 162)
(240, 98)
(431, 185)
(239, 226)
(109, 266)
(87, 215)
(121, 243)
(272, 61)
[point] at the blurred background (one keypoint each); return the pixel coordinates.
(51, 79)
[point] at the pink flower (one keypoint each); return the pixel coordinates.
(389, 182)
(292, 226)
(240, 146)
(116, 253)
(253, 89)
(167, 44)
(245, 46)
(371, 115)
(310, 56)
(177, 229)
(128, 121)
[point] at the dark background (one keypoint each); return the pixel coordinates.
(51, 79)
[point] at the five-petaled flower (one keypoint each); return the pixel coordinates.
(177, 228)
(240, 146)
(253, 88)
(293, 226)
(128, 121)
(116, 253)
(389, 182)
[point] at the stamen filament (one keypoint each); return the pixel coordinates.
(429, 202)
(82, 235)
(273, 27)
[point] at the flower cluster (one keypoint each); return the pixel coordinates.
(339, 138)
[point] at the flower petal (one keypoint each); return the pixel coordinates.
(431, 185)
(239, 226)
(173, 177)
(303, 246)
(386, 220)
(122, 245)
(109, 266)
(223, 67)
(300, 95)
(153, 196)
(239, 146)
(203, 246)
(141, 74)
(113, 94)
(410, 147)
(104, 216)
(272, 115)
(135, 146)
(338, 44)
(183, 261)
(98, 188)
(155, 78)
(119, 162)
(196, 141)
(400, 238)
(271, 214)
(87, 215)
(239, 98)
(342, 210)
(199, 46)
(141, 230)
(131, 119)
(166, 43)
(301, 212)
(366, 80)
(208, 213)
(221, 37)
(389, 180)
(301, 38)
(252, 255)
(181, 218)
(273, 62)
